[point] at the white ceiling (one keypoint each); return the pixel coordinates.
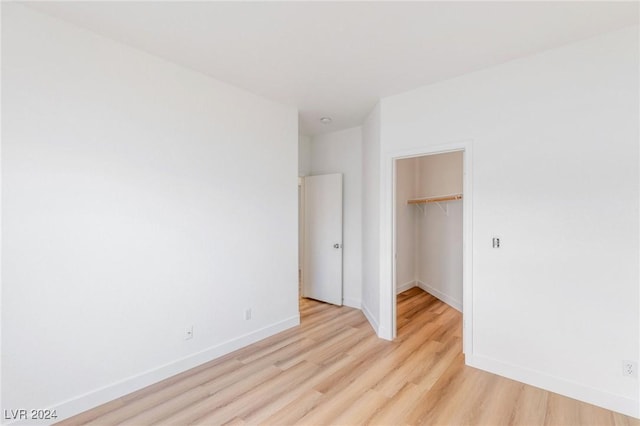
(338, 58)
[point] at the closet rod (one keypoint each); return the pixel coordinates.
(435, 199)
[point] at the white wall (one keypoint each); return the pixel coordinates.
(439, 174)
(405, 224)
(371, 218)
(304, 155)
(304, 168)
(555, 175)
(439, 228)
(139, 198)
(341, 152)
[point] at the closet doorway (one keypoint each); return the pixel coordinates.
(429, 200)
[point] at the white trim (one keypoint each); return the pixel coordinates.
(110, 392)
(406, 286)
(301, 235)
(618, 403)
(387, 326)
(370, 318)
(385, 333)
(454, 303)
(352, 303)
(467, 249)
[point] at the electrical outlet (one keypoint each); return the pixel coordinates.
(247, 314)
(188, 333)
(496, 242)
(630, 368)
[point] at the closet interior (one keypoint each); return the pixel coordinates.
(428, 231)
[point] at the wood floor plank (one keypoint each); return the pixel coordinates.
(473, 390)
(332, 369)
(368, 404)
(440, 392)
(498, 409)
(403, 374)
(622, 420)
(321, 350)
(430, 370)
(396, 409)
(259, 397)
(284, 353)
(561, 411)
(294, 392)
(215, 396)
(292, 413)
(531, 406)
(189, 385)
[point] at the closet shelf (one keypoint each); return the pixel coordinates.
(437, 199)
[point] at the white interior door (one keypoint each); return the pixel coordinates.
(322, 270)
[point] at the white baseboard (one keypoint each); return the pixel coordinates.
(455, 304)
(352, 303)
(406, 286)
(110, 392)
(620, 404)
(370, 318)
(385, 333)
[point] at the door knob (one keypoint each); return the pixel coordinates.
(336, 245)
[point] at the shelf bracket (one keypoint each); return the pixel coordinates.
(444, 209)
(423, 208)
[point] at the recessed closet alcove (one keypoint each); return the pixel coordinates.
(429, 202)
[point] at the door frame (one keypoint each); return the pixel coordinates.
(301, 234)
(388, 326)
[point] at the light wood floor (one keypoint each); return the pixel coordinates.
(333, 370)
